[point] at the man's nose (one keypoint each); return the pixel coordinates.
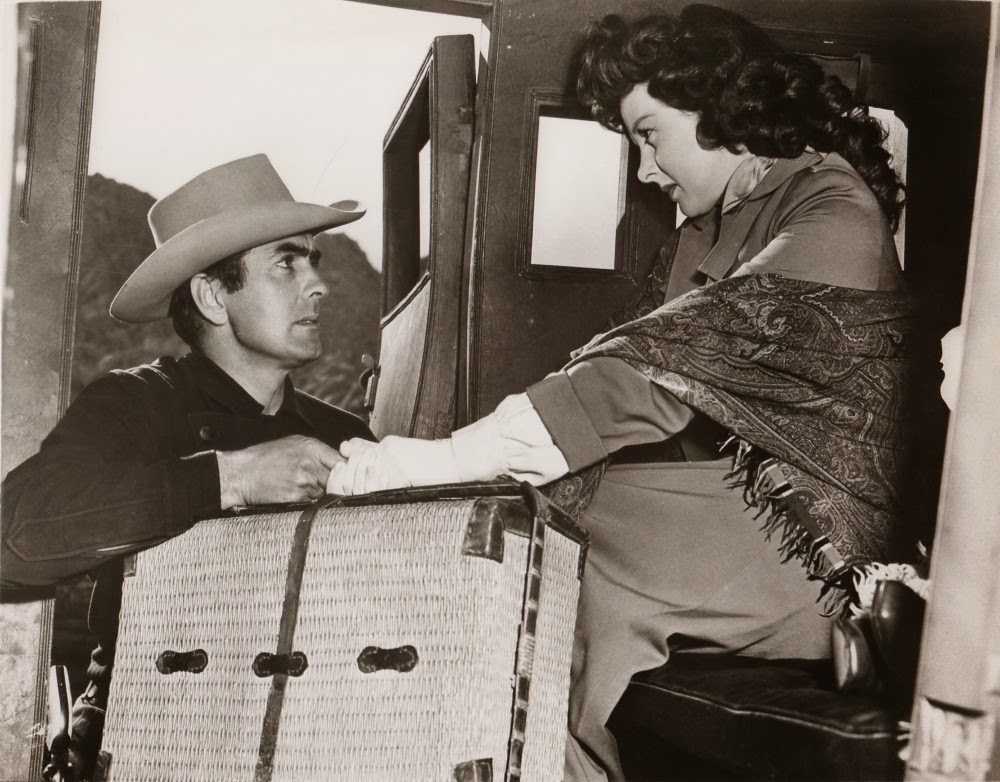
(316, 285)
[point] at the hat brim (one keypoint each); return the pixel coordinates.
(146, 294)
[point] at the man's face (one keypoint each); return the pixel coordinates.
(275, 315)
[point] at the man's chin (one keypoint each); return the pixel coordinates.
(306, 360)
(304, 357)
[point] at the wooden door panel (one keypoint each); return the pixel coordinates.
(404, 337)
(57, 55)
(421, 317)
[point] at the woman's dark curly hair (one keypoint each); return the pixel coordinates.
(747, 91)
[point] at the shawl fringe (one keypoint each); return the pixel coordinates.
(766, 490)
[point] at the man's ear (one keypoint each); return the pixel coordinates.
(205, 293)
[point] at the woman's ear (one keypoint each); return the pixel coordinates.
(205, 293)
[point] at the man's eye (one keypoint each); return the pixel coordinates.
(286, 263)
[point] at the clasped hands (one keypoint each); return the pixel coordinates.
(298, 469)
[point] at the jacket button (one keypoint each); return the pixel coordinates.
(206, 433)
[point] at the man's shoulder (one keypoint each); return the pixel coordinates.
(160, 372)
(160, 376)
(333, 424)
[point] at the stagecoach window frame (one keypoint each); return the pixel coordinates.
(556, 103)
(408, 135)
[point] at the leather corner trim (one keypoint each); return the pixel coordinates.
(491, 518)
(480, 770)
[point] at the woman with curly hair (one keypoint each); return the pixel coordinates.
(774, 319)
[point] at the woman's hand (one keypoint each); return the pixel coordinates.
(510, 441)
(368, 468)
(393, 463)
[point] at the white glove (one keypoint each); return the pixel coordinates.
(363, 471)
(512, 441)
(394, 463)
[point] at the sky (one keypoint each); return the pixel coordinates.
(184, 85)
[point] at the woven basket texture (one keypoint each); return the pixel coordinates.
(219, 587)
(387, 577)
(384, 576)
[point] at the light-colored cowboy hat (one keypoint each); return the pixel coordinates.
(228, 209)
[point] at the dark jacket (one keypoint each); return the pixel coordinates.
(132, 464)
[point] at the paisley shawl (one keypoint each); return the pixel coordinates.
(811, 379)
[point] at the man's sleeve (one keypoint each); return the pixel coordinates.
(102, 485)
(603, 404)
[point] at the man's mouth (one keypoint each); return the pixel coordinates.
(314, 321)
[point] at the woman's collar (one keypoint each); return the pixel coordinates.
(745, 178)
(781, 170)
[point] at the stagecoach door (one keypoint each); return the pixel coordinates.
(426, 154)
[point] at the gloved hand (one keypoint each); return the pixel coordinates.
(364, 471)
(512, 440)
(394, 463)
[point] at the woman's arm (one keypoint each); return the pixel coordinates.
(568, 421)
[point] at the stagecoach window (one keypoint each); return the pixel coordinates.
(579, 193)
(424, 178)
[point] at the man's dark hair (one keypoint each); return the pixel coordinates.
(187, 318)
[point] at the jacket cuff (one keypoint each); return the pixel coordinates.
(197, 477)
(564, 416)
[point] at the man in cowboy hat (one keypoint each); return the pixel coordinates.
(143, 453)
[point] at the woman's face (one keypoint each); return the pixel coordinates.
(670, 156)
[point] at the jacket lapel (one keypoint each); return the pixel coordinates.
(733, 232)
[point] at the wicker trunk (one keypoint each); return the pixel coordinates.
(419, 638)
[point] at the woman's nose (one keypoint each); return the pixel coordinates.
(648, 170)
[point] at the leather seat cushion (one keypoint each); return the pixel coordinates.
(771, 719)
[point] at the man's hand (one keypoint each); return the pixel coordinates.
(292, 469)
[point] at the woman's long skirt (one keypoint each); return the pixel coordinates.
(676, 560)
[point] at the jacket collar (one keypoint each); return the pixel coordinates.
(215, 382)
(744, 181)
(735, 228)
(781, 171)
